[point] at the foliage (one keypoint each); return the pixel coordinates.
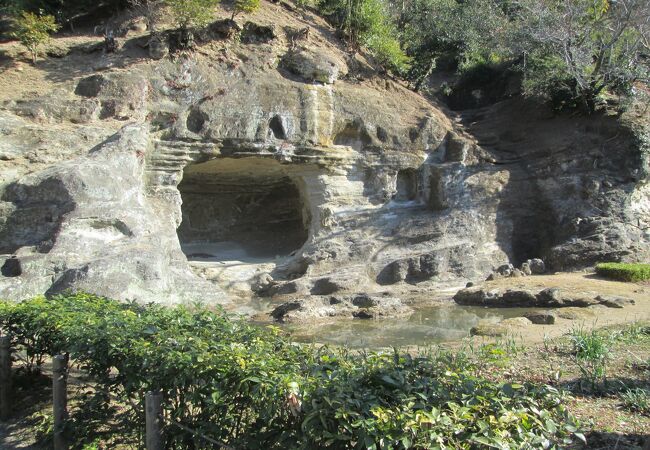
(192, 13)
(245, 6)
(624, 271)
(33, 30)
(587, 46)
(471, 33)
(637, 400)
(251, 388)
(367, 23)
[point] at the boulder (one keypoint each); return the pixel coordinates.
(537, 266)
(476, 296)
(158, 47)
(550, 297)
(525, 269)
(614, 302)
(541, 317)
(505, 270)
(253, 33)
(517, 298)
(360, 306)
(313, 67)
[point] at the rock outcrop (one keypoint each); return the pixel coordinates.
(360, 306)
(263, 166)
(546, 298)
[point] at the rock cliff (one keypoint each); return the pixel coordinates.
(279, 164)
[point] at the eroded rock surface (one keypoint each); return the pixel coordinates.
(546, 298)
(268, 166)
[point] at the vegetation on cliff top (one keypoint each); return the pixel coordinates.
(251, 388)
(570, 52)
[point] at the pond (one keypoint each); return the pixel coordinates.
(426, 326)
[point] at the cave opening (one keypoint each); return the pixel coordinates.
(244, 210)
(406, 185)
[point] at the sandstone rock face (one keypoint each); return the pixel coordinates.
(260, 168)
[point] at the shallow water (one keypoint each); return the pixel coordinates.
(426, 326)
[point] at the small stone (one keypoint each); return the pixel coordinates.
(525, 268)
(469, 284)
(516, 322)
(488, 329)
(516, 273)
(521, 298)
(550, 297)
(541, 318)
(575, 313)
(505, 270)
(537, 266)
(158, 47)
(614, 302)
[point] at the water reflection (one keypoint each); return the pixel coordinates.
(426, 326)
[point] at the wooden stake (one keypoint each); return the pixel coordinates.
(153, 420)
(5, 377)
(60, 399)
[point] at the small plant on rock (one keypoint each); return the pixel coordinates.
(245, 6)
(34, 30)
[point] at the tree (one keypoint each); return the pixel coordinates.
(192, 13)
(245, 6)
(367, 23)
(469, 33)
(585, 47)
(151, 10)
(33, 30)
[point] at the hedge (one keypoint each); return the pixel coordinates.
(624, 271)
(250, 387)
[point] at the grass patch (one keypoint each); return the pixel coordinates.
(637, 400)
(624, 271)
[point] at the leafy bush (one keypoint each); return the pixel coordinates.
(33, 30)
(251, 388)
(623, 271)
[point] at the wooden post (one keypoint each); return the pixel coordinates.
(60, 399)
(5, 377)
(153, 420)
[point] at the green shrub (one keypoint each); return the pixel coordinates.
(623, 271)
(33, 30)
(251, 388)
